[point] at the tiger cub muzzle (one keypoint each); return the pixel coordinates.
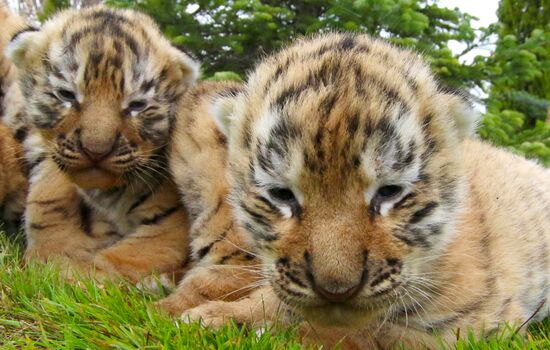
(327, 290)
(93, 163)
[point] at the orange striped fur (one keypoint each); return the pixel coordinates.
(99, 89)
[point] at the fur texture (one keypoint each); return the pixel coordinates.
(99, 89)
(224, 268)
(13, 182)
(376, 217)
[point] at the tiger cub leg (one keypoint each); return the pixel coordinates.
(259, 308)
(159, 244)
(225, 267)
(58, 224)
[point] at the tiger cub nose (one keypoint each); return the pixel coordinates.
(97, 150)
(338, 295)
(94, 155)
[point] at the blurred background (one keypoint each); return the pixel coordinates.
(498, 50)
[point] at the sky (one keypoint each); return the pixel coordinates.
(485, 10)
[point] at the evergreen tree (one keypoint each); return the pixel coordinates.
(233, 35)
(519, 100)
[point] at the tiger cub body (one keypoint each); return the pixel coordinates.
(378, 219)
(224, 266)
(99, 89)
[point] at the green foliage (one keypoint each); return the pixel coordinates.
(519, 71)
(233, 35)
(220, 76)
(50, 7)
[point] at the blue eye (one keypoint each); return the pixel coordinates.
(137, 106)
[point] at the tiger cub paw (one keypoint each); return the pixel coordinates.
(157, 283)
(178, 302)
(214, 314)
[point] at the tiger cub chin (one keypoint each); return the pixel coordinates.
(99, 89)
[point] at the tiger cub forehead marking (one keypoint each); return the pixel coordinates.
(341, 102)
(102, 53)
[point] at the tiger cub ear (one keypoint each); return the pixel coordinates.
(21, 46)
(461, 109)
(223, 112)
(189, 67)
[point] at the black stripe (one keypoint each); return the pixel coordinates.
(380, 278)
(347, 43)
(48, 117)
(201, 253)
(259, 234)
(401, 203)
(327, 104)
(27, 29)
(281, 134)
(394, 262)
(295, 279)
(417, 241)
(386, 128)
(38, 226)
(290, 291)
(267, 203)
(158, 217)
(264, 159)
(140, 201)
(424, 212)
(292, 93)
(224, 258)
(309, 270)
(258, 218)
(86, 218)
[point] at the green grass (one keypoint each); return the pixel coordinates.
(38, 310)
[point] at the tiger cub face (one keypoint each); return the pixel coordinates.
(342, 153)
(101, 86)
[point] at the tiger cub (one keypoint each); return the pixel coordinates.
(379, 220)
(100, 88)
(13, 181)
(224, 266)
